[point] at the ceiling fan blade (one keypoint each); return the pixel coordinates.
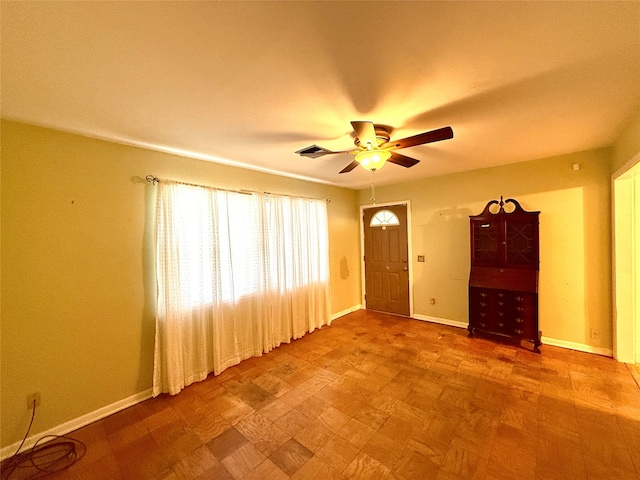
(402, 160)
(443, 133)
(366, 133)
(349, 167)
(315, 151)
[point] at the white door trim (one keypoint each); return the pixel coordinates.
(624, 226)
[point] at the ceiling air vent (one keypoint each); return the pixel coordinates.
(314, 151)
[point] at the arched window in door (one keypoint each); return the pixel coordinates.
(384, 218)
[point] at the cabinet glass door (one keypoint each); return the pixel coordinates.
(521, 243)
(486, 241)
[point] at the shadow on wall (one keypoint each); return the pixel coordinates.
(444, 242)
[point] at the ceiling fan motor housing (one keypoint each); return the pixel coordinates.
(382, 136)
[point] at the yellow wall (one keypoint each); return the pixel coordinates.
(575, 237)
(77, 324)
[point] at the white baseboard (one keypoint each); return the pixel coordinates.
(581, 347)
(441, 321)
(77, 423)
(354, 308)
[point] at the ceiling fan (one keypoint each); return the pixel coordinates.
(374, 148)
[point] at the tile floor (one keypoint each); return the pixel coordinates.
(381, 397)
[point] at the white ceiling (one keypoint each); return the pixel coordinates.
(250, 83)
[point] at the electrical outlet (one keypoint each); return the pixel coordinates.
(33, 397)
(594, 333)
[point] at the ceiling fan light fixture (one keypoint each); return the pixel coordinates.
(373, 159)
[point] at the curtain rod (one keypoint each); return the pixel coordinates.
(153, 179)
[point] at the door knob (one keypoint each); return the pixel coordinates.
(405, 268)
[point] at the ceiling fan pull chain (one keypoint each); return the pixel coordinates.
(373, 191)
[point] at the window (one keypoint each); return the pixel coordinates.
(228, 245)
(384, 217)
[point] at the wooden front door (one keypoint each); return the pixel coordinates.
(386, 259)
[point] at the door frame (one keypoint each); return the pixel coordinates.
(363, 283)
(626, 306)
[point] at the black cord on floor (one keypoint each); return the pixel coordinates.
(49, 454)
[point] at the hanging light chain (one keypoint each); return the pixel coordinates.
(373, 189)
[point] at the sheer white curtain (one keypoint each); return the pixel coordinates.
(238, 274)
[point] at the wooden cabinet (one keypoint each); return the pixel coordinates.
(503, 283)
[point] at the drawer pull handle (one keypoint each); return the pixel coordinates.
(483, 325)
(501, 314)
(483, 304)
(518, 320)
(520, 309)
(482, 294)
(519, 298)
(518, 331)
(482, 314)
(500, 303)
(501, 325)
(501, 295)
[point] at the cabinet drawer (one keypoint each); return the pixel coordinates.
(503, 312)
